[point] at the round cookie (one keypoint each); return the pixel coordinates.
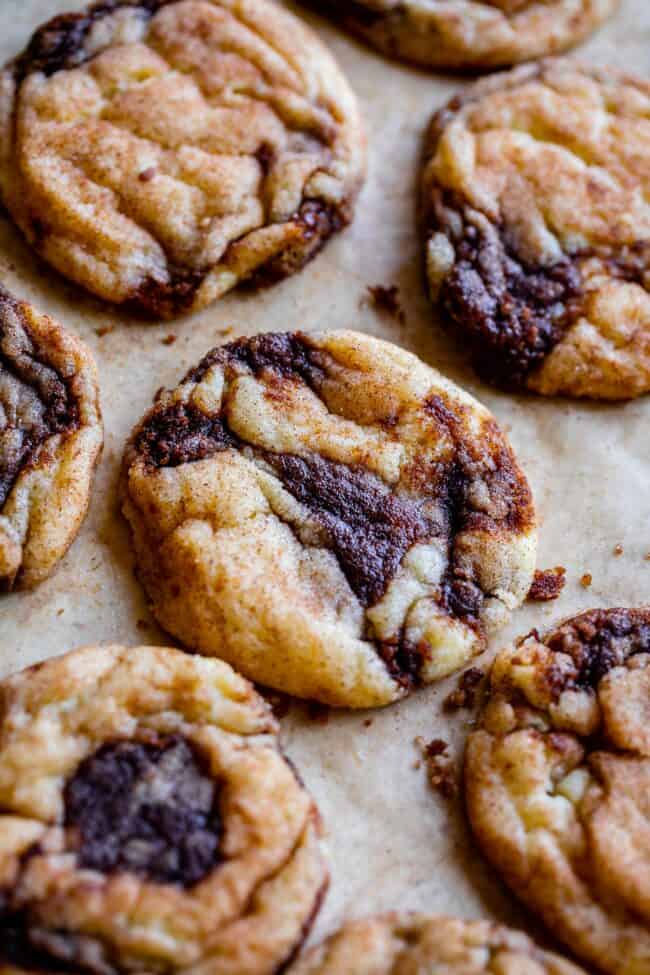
(51, 438)
(469, 34)
(330, 515)
(537, 228)
(408, 943)
(149, 820)
(158, 152)
(558, 778)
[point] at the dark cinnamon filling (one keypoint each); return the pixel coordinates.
(35, 402)
(151, 810)
(367, 525)
(146, 809)
(510, 314)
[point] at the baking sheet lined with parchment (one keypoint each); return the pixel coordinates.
(393, 841)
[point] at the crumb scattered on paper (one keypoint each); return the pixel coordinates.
(440, 768)
(386, 299)
(547, 584)
(465, 694)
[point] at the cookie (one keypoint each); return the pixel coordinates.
(469, 34)
(149, 820)
(558, 777)
(158, 152)
(330, 515)
(405, 943)
(537, 228)
(50, 441)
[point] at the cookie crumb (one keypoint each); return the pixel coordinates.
(60, 612)
(168, 340)
(147, 174)
(367, 722)
(440, 768)
(386, 299)
(586, 580)
(104, 330)
(465, 694)
(647, 556)
(547, 584)
(618, 550)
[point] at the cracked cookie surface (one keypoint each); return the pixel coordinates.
(405, 943)
(536, 217)
(149, 820)
(50, 441)
(329, 514)
(159, 152)
(469, 34)
(557, 781)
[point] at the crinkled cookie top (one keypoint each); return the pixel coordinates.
(558, 779)
(149, 820)
(476, 34)
(50, 440)
(403, 944)
(159, 151)
(536, 208)
(361, 516)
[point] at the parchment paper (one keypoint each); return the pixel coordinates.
(394, 843)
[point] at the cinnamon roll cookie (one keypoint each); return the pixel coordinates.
(408, 943)
(50, 441)
(330, 515)
(469, 34)
(149, 821)
(158, 152)
(558, 783)
(536, 212)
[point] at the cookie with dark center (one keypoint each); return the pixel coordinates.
(329, 514)
(537, 228)
(160, 152)
(404, 942)
(474, 35)
(50, 441)
(557, 780)
(124, 775)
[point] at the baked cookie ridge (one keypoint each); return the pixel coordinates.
(329, 514)
(556, 782)
(475, 35)
(536, 228)
(160, 152)
(403, 942)
(51, 438)
(123, 775)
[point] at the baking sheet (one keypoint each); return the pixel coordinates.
(393, 842)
